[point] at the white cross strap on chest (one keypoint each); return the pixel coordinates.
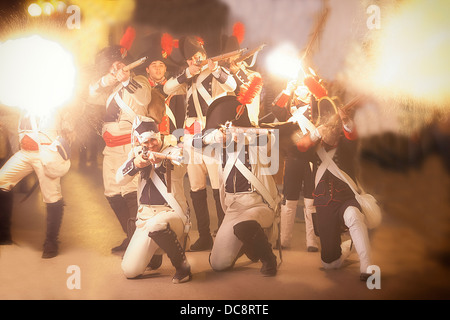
(173, 203)
(171, 116)
(326, 158)
(368, 203)
(34, 127)
(233, 160)
(197, 106)
(302, 121)
(122, 105)
(262, 190)
(232, 157)
(328, 163)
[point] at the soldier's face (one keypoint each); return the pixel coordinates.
(153, 144)
(156, 70)
(117, 65)
(199, 56)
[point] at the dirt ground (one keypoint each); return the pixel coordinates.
(414, 232)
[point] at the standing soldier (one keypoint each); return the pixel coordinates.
(296, 103)
(202, 85)
(249, 82)
(44, 150)
(158, 66)
(125, 96)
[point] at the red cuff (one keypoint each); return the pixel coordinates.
(351, 135)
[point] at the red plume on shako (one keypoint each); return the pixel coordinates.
(127, 41)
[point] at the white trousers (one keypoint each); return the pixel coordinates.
(240, 207)
(200, 167)
(288, 212)
(141, 248)
(21, 164)
(113, 158)
(309, 209)
(354, 220)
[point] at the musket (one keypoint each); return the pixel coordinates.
(223, 56)
(163, 156)
(352, 103)
(250, 53)
(178, 159)
(133, 65)
(245, 130)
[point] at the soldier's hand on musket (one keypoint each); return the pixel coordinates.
(153, 159)
(109, 79)
(122, 75)
(141, 161)
(193, 68)
(234, 66)
(212, 65)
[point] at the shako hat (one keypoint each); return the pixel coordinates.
(227, 109)
(116, 52)
(190, 45)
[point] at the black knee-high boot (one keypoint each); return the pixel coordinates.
(256, 244)
(219, 210)
(120, 208)
(6, 206)
(54, 219)
(167, 240)
(200, 204)
(132, 204)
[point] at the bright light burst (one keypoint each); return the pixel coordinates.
(37, 75)
(409, 56)
(284, 62)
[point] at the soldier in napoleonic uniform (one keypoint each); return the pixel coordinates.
(249, 194)
(336, 206)
(202, 85)
(163, 214)
(45, 150)
(297, 176)
(125, 95)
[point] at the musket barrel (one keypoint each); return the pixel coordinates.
(163, 156)
(222, 56)
(135, 64)
(250, 53)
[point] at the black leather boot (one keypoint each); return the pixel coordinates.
(256, 245)
(120, 208)
(219, 210)
(54, 219)
(132, 204)
(167, 240)
(200, 204)
(6, 206)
